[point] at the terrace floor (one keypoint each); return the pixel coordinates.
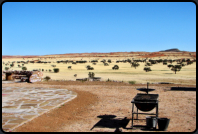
(22, 104)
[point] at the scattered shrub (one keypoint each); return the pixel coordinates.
(132, 82)
(164, 63)
(56, 70)
(6, 68)
(148, 64)
(176, 68)
(69, 67)
(134, 64)
(91, 74)
(24, 68)
(47, 78)
(108, 80)
(169, 66)
(147, 69)
(116, 67)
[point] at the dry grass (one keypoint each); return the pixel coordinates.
(159, 73)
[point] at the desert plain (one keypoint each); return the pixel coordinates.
(102, 98)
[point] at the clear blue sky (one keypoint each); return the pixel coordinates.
(43, 28)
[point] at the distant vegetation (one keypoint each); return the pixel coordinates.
(56, 70)
(132, 82)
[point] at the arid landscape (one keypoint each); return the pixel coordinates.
(112, 95)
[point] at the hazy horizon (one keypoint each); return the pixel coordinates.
(94, 52)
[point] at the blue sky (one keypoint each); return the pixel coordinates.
(41, 28)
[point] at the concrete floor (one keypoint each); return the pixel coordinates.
(20, 105)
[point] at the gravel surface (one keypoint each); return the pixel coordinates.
(112, 99)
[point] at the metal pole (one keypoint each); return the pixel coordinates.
(132, 115)
(157, 110)
(156, 115)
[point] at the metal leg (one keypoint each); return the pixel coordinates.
(157, 110)
(143, 113)
(132, 115)
(156, 116)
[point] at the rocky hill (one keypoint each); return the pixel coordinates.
(171, 50)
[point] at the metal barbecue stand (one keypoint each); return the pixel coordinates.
(137, 100)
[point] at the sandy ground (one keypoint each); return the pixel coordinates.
(97, 99)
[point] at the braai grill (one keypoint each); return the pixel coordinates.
(145, 102)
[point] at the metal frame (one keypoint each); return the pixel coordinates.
(133, 102)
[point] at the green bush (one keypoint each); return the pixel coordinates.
(24, 68)
(6, 68)
(56, 70)
(132, 82)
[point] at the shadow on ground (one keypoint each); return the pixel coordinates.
(109, 121)
(183, 89)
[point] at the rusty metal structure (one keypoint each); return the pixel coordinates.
(25, 76)
(145, 102)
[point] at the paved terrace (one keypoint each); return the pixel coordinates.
(22, 104)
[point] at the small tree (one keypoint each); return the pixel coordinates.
(170, 65)
(182, 64)
(153, 61)
(147, 69)
(56, 70)
(11, 65)
(116, 67)
(183, 60)
(148, 64)
(164, 63)
(24, 68)
(6, 68)
(176, 68)
(47, 78)
(135, 64)
(91, 75)
(106, 64)
(88, 66)
(189, 62)
(69, 67)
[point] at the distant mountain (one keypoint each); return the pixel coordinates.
(171, 50)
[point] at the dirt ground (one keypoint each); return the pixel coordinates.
(95, 100)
